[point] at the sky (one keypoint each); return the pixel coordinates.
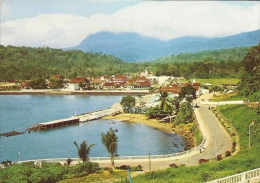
(65, 23)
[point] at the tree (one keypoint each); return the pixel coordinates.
(69, 161)
(250, 80)
(172, 70)
(85, 85)
(83, 150)
(56, 82)
(187, 91)
(185, 114)
(176, 103)
(38, 83)
(166, 104)
(127, 103)
(110, 141)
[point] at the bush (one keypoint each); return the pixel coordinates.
(123, 167)
(201, 161)
(137, 168)
(173, 165)
(88, 167)
(219, 157)
(227, 153)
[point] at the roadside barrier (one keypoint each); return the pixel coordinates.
(241, 177)
(145, 157)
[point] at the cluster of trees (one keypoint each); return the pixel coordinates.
(182, 105)
(179, 106)
(250, 80)
(25, 63)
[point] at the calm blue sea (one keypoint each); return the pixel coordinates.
(18, 112)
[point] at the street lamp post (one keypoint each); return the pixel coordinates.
(149, 162)
(19, 157)
(249, 134)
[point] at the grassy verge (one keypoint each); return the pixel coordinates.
(226, 97)
(107, 176)
(216, 81)
(246, 159)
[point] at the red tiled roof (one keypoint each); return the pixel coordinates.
(174, 89)
(109, 84)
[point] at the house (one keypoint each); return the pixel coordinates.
(142, 83)
(25, 84)
(104, 78)
(119, 79)
(8, 86)
(97, 83)
(73, 85)
(109, 85)
(203, 91)
(174, 89)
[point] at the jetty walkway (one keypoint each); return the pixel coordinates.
(99, 114)
(74, 120)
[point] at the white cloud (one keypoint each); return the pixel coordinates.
(4, 9)
(165, 20)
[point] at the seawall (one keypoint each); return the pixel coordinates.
(92, 92)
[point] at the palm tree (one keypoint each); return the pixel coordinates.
(83, 150)
(176, 103)
(110, 141)
(166, 103)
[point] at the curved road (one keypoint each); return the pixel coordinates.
(218, 143)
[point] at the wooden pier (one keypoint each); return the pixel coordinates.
(12, 133)
(54, 124)
(74, 120)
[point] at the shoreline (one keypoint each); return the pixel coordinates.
(166, 127)
(91, 92)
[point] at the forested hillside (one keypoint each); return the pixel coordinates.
(205, 64)
(19, 63)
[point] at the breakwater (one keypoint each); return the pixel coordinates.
(12, 133)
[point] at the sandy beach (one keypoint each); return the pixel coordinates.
(142, 119)
(167, 127)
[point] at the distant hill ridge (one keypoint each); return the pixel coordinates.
(134, 47)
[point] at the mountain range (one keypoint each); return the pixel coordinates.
(133, 47)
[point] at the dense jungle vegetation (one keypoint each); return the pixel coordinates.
(24, 63)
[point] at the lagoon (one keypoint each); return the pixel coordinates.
(18, 112)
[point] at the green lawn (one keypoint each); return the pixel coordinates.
(216, 81)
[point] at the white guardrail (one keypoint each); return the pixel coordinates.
(222, 102)
(144, 157)
(241, 177)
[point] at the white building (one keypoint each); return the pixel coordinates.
(71, 87)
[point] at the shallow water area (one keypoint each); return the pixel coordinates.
(18, 112)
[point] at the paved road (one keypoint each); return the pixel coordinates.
(219, 142)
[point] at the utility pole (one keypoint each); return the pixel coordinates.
(150, 162)
(19, 157)
(249, 134)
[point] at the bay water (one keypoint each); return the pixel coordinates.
(19, 112)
